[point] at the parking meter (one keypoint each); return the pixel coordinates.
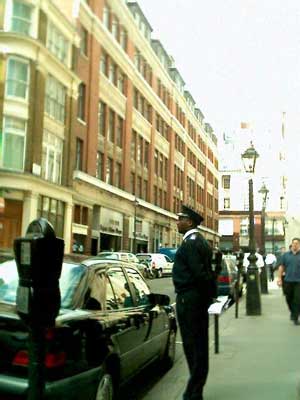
(39, 257)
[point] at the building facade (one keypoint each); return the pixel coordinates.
(98, 133)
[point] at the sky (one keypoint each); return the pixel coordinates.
(240, 59)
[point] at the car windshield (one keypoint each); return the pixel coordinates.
(70, 277)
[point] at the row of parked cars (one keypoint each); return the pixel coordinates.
(157, 265)
(151, 265)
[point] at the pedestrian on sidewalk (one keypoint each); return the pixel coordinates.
(195, 287)
(290, 268)
(270, 262)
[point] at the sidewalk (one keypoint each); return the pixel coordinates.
(259, 357)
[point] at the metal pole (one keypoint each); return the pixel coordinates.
(134, 227)
(273, 239)
(263, 274)
(253, 301)
(36, 372)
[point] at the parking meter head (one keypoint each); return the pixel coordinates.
(39, 257)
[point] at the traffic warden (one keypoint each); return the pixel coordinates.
(195, 287)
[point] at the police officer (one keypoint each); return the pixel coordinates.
(195, 288)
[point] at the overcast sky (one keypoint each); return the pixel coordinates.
(240, 59)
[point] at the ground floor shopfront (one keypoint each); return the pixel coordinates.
(91, 217)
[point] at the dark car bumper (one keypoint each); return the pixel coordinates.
(65, 388)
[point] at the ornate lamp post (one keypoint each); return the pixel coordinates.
(263, 275)
(253, 301)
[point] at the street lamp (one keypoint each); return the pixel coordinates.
(253, 301)
(263, 275)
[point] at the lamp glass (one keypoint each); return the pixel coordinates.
(249, 158)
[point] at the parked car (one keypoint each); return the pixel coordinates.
(168, 251)
(128, 257)
(118, 255)
(228, 276)
(109, 327)
(159, 264)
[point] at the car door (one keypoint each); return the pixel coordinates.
(128, 323)
(155, 318)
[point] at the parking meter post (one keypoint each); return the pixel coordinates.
(39, 258)
(36, 371)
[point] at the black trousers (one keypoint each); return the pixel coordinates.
(192, 317)
(292, 295)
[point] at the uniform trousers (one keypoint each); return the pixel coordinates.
(192, 317)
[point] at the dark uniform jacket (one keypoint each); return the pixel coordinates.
(192, 267)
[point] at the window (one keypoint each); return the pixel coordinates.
(120, 287)
(52, 157)
(140, 289)
(132, 183)
(123, 39)
(109, 171)
(17, 78)
(106, 17)
(146, 154)
(111, 126)
(13, 139)
(21, 19)
(226, 181)
(139, 149)
(99, 168)
(119, 132)
(244, 225)
(121, 82)
(115, 28)
(104, 63)
(133, 145)
(55, 99)
(112, 72)
(81, 102)
(79, 154)
(101, 118)
(118, 168)
(226, 203)
(54, 211)
(145, 190)
(83, 40)
(57, 43)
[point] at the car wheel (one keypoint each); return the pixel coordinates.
(105, 389)
(170, 352)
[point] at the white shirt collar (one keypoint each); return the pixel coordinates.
(188, 233)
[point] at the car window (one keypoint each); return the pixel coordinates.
(111, 301)
(96, 293)
(167, 258)
(120, 287)
(70, 276)
(140, 287)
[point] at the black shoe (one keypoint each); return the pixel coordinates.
(296, 322)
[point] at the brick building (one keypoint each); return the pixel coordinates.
(98, 133)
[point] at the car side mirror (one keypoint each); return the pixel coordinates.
(159, 299)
